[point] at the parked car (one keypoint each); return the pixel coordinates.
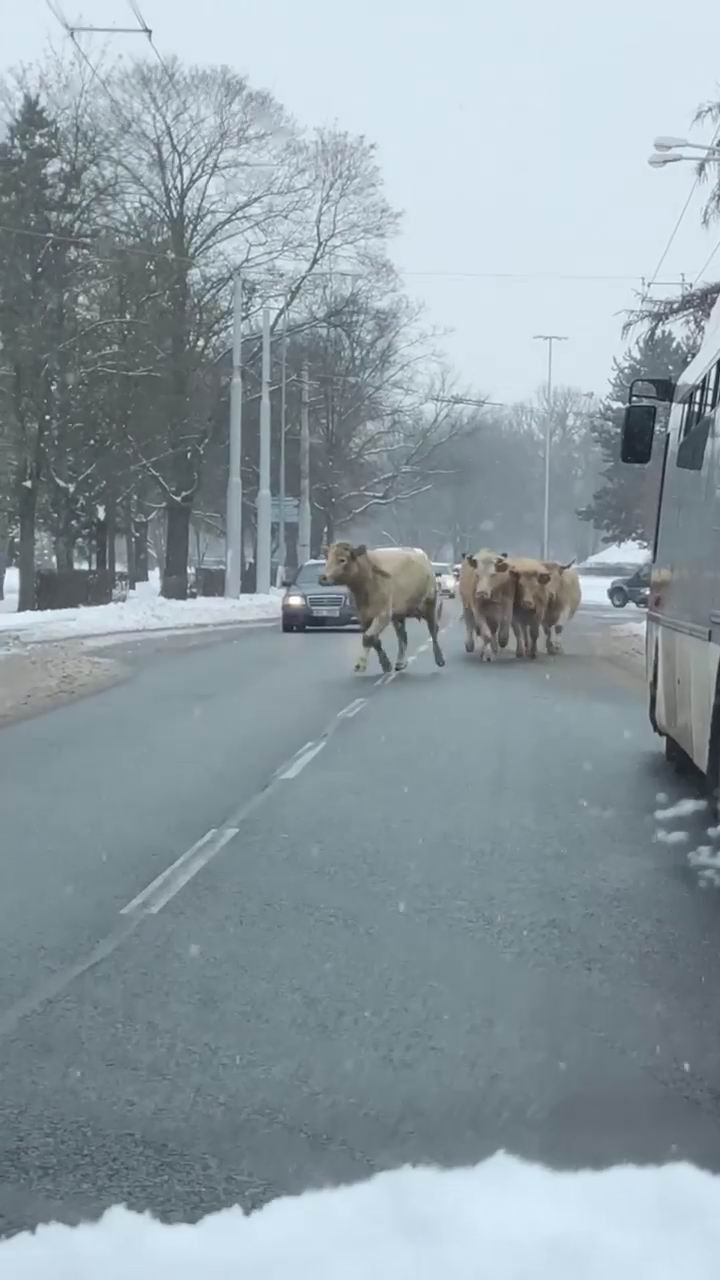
(635, 588)
(309, 603)
(445, 579)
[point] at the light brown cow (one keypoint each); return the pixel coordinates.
(531, 578)
(564, 596)
(487, 593)
(390, 584)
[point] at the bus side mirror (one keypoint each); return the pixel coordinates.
(638, 431)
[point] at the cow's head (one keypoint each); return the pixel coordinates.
(342, 563)
(531, 585)
(556, 571)
(490, 571)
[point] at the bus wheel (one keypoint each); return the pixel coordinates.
(676, 756)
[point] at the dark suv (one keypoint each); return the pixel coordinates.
(636, 588)
(307, 603)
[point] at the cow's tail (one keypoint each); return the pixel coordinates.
(438, 608)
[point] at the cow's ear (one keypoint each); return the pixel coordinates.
(356, 552)
(471, 560)
(501, 565)
(503, 555)
(569, 565)
(544, 578)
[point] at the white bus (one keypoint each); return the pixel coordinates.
(683, 622)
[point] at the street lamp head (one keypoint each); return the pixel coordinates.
(665, 143)
(658, 159)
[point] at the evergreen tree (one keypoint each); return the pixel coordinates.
(625, 504)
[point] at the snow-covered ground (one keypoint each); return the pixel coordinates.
(629, 553)
(594, 588)
(144, 610)
(503, 1220)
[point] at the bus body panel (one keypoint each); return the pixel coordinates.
(683, 625)
(686, 668)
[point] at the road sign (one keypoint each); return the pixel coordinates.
(292, 510)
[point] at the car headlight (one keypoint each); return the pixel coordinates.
(295, 601)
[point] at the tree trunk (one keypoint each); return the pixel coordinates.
(111, 527)
(26, 555)
(63, 553)
(129, 546)
(101, 544)
(174, 582)
(141, 558)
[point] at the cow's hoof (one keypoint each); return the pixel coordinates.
(487, 656)
(360, 668)
(469, 646)
(401, 666)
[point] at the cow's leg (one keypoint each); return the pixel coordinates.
(493, 628)
(371, 640)
(401, 633)
(503, 633)
(549, 645)
(534, 633)
(431, 617)
(557, 646)
(519, 633)
(469, 630)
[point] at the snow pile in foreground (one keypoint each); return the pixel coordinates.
(502, 1219)
(142, 612)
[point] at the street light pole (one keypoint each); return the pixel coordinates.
(549, 338)
(282, 555)
(264, 502)
(233, 508)
(304, 510)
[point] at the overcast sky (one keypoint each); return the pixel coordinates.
(513, 135)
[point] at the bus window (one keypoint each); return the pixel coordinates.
(695, 428)
(714, 386)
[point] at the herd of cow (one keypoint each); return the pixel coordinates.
(499, 594)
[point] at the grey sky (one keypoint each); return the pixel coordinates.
(513, 135)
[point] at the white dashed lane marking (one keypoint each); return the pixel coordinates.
(304, 757)
(155, 895)
(351, 709)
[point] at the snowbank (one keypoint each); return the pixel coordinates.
(140, 612)
(595, 588)
(629, 553)
(502, 1219)
(630, 639)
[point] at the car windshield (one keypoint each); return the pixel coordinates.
(308, 574)
(292, 285)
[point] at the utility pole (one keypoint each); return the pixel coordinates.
(264, 501)
(233, 508)
(304, 511)
(549, 338)
(282, 554)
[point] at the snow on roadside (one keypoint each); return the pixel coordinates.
(631, 638)
(502, 1219)
(140, 612)
(595, 588)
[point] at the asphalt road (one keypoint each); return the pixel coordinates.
(430, 919)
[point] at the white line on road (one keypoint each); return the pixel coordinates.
(351, 709)
(307, 754)
(164, 887)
